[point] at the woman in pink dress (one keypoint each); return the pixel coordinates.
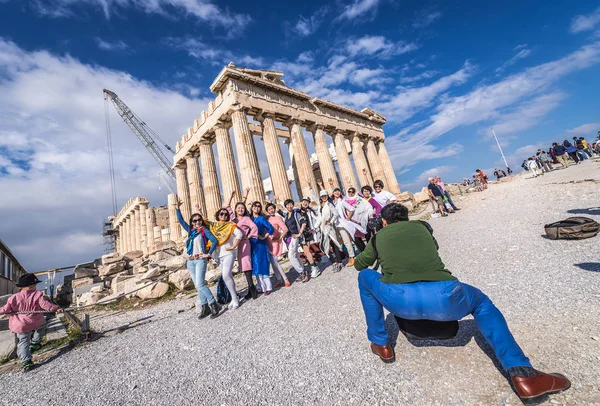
(275, 243)
(241, 217)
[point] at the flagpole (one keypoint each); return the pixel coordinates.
(499, 147)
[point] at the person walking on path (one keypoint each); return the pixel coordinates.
(442, 186)
(275, 244)
(572, 151)
(228, 237)
(200, 245)
(533, 167)
(261, 261)
(415, 285)
(241, 217)
(435, 193)
(560, 152)
(544, 160)
(30, 329)
(482, 177)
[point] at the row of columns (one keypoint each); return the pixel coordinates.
(203, 190)
(138, 230)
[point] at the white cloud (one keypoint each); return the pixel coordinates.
(528, 113)
(416, 78)
(422, 180)
(590, 129)
(365, 76)
(371, 45)
(585, 22)
(202, 10)
(521, 54)
(359, 8)
(196, 48)
(111, 45)
(306, 26)
(53, 160)
(427, 19)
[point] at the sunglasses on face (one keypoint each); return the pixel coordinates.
(351, 192)
(257, 205)
(224, 213)
(197, 221)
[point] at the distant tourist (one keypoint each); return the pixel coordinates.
(509, 170)
(482, 177)
(415, 284)
(560, 152)
(533, 167)
(499, 174)
(544, 160)
(436, 195)
(29, 328)
(572, 151)
(442, 186)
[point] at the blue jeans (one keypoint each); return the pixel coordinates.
(24, 339)
(440, 301)
(450, 200)
(197, 269)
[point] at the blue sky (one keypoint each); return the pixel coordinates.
(441, 73)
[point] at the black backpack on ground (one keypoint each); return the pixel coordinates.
(422, 329)
(223, 295)
(572, 228)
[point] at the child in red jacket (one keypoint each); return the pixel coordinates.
(27, 325)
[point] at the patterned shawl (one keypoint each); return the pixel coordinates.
(222, 230)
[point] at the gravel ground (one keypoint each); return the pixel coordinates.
(307, 344)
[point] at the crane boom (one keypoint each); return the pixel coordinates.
(143, 133)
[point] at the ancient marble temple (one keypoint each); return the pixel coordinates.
(254, 106)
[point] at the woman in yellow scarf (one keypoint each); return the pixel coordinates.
(228, 237)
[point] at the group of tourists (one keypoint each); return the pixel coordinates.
(335, 224)
(440, 197)
(560, 154)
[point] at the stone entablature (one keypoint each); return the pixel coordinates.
(129, 206)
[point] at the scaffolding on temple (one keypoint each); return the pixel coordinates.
(109, 235)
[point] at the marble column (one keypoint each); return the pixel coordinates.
(150, 224)
(174, 227)
(143, 228)
(360, 162)
(388, 170)
(279, 179)
(138, 228)
(125, 235)
(325, 161)
(195, 185)
(212, 193)
(374, 164)
(183, 193)
(131, 226)
(246, 153)
(346, 170)
(301, 158)
(229, 177)
(120, 238)
(294, 168)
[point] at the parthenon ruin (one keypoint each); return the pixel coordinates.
(275, 111)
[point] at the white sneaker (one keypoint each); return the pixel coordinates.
(233, 305)
(315, 272)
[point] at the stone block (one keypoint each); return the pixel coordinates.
(154, 291)
(83, 282)
(86, 273)
(90, 298)
(121, 282)
(80, 290)
(181, 279)
(97, 289)
(133, 255)
(8, 344)
(161, 246)
(111, 258)
(112, 269)
(421, 196)
(150, 274)
(172, 263)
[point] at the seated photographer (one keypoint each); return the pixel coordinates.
(416, 285)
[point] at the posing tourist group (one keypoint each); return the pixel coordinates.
(337, 225)
(561, 154)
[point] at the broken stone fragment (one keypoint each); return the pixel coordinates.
(181, 279)
(154, 291)
(84, 282)
(105, 270)
(86, 272)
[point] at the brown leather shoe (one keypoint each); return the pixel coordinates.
(385, 352)
(540, 384)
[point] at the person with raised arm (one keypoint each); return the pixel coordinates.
(330, 239)
(200, 245)
(261, 258)
(345, 228)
